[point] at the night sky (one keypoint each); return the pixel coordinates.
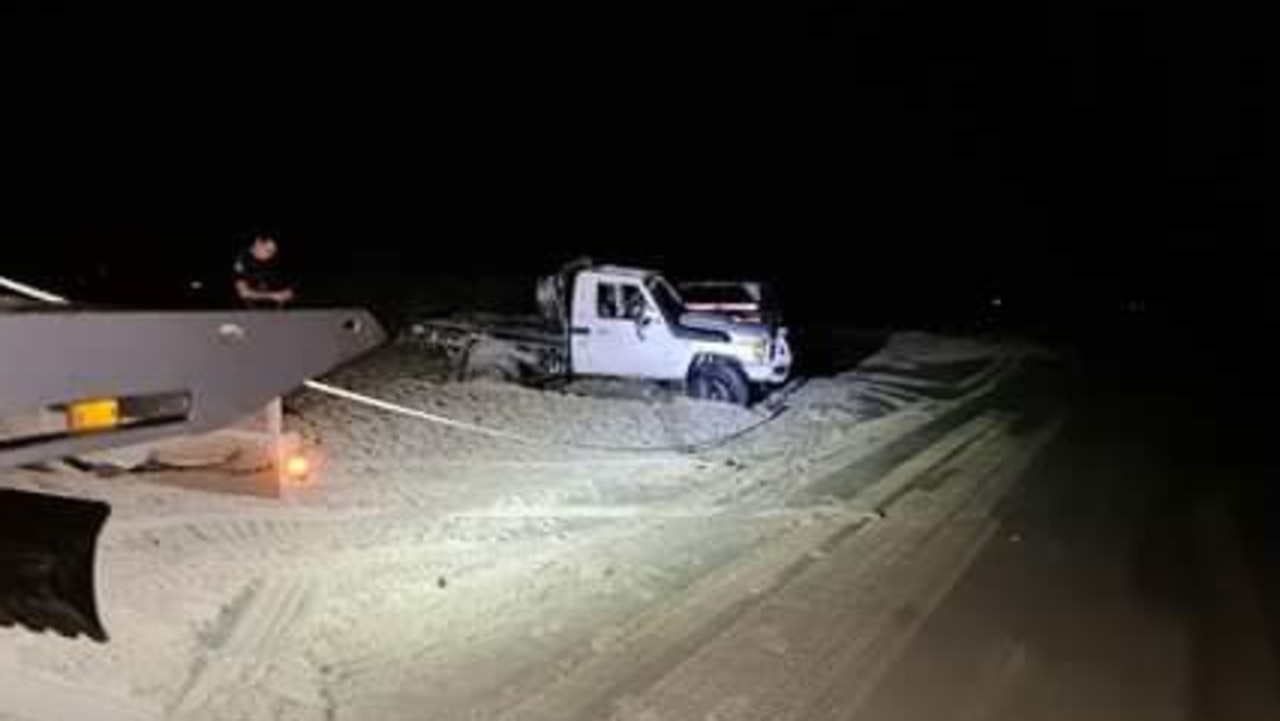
(1065, 159)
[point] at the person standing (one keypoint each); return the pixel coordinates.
(260, 281)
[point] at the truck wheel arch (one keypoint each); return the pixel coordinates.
(487, 359)
(718, 378)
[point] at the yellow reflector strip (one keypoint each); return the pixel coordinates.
(94, 415)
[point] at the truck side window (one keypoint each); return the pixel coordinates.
(633, 302)
(607, 300)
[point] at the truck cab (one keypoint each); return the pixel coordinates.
(632, 322)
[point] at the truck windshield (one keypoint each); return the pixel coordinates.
(668, 300)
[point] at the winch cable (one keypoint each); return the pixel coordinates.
(31, 292)
(408, 412)
(403, 410)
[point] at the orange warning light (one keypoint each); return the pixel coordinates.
(297, 467)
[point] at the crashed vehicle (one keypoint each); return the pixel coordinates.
(613, 321)
(77, 382)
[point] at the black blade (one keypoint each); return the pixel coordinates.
(47, 549)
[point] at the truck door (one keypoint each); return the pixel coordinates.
(618, 332)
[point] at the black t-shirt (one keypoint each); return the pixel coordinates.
(261, 276)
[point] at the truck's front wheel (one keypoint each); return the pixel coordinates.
(719, 382)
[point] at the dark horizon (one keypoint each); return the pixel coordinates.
(1068, 295)
(1057, 158)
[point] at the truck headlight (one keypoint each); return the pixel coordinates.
(756, 349)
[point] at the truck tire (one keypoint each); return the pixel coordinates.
(720, 382)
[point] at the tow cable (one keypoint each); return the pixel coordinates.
(403, 410)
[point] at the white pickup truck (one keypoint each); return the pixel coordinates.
(605, 320)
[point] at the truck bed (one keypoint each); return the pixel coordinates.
(520, 328)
